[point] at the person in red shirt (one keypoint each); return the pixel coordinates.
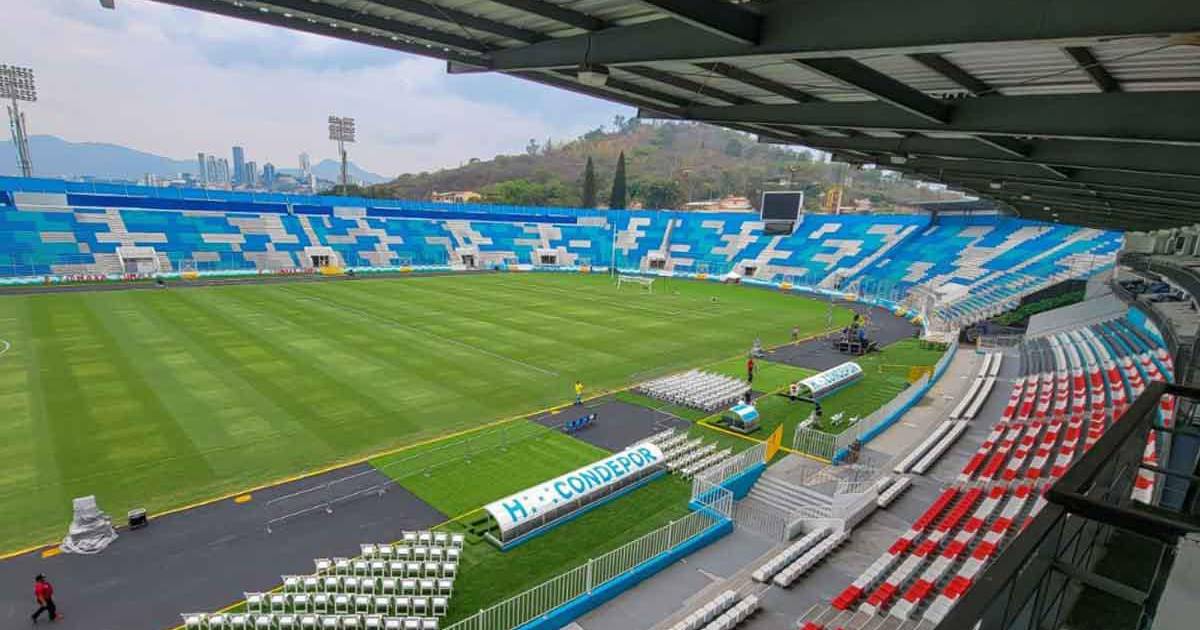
(750, 370)
(44, 593)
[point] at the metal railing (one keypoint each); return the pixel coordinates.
(733, 465)
(585, 578)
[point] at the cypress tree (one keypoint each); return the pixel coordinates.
(616, 200)
(588, 195)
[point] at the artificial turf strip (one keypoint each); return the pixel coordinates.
(472, 473)
(160, 398)
(487, 576)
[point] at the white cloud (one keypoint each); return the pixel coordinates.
(174, 82)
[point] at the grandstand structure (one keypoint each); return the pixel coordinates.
(1077, 117)
(954, 270)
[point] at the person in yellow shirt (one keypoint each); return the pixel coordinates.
(578, 392)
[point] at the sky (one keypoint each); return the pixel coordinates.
(176, 82)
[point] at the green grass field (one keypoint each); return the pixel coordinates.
(500, 465)
(488, 576)
(160, 398)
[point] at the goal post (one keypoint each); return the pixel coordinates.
(647, 284)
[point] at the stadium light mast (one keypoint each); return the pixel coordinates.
(16, 84)
(341, 130)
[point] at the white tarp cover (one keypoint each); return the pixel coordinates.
(91, 530)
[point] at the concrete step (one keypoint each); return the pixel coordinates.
(783, 487)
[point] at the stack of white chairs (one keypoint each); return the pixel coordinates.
(789, 554)
(709, 612)
(689, 457)
(810, 559)
(661, 437)
(402, 586)
(682, 448)
(671, 442)
(697, 389)
(705, 463)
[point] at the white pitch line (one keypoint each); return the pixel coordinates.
(6, 347)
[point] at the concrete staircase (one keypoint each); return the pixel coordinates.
(790, 498)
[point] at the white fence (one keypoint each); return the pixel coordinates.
(769, 522)
(826, 446)
(741, 462)
(583, 579)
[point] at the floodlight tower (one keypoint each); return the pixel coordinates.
(16, 84)
(341, 129)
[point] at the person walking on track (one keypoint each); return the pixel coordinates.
(44, 593)
(578, 392)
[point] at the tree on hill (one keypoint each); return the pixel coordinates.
(617, 200)
(587, 196)
(658, 194)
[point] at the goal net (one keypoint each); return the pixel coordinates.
(646, 284)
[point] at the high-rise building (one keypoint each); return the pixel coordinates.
(239, 165)
(268, 175)
(223, 171)
(306, 174)
(250, 174)
(212, 174)
(202, 172)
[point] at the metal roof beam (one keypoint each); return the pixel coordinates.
(807, 28)
(390, 26)
(952, 72)
(642, 99)
(460, 18)
(556, 12)
(718, 17)
(762, 83)
(1148, 184)
(1149, 117)
(697, 89)
(1105, 156)
(298, 23)
(1050, 194)
(881, 86)
(1083, 57)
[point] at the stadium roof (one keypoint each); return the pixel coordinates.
(1083, 111)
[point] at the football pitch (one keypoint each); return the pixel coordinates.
(161, 398)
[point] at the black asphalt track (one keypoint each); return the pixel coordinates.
(203, 559)
(618, 424)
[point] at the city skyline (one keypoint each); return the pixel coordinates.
(207, 70)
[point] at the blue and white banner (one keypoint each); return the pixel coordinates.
(574, 487)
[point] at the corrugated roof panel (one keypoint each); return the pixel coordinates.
(710, 79)
(905, 70)
(1148, 60)
(317, 14)
(793, 75)
(1024, 69)
(686, 95)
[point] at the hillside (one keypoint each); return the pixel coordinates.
(667, 165)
